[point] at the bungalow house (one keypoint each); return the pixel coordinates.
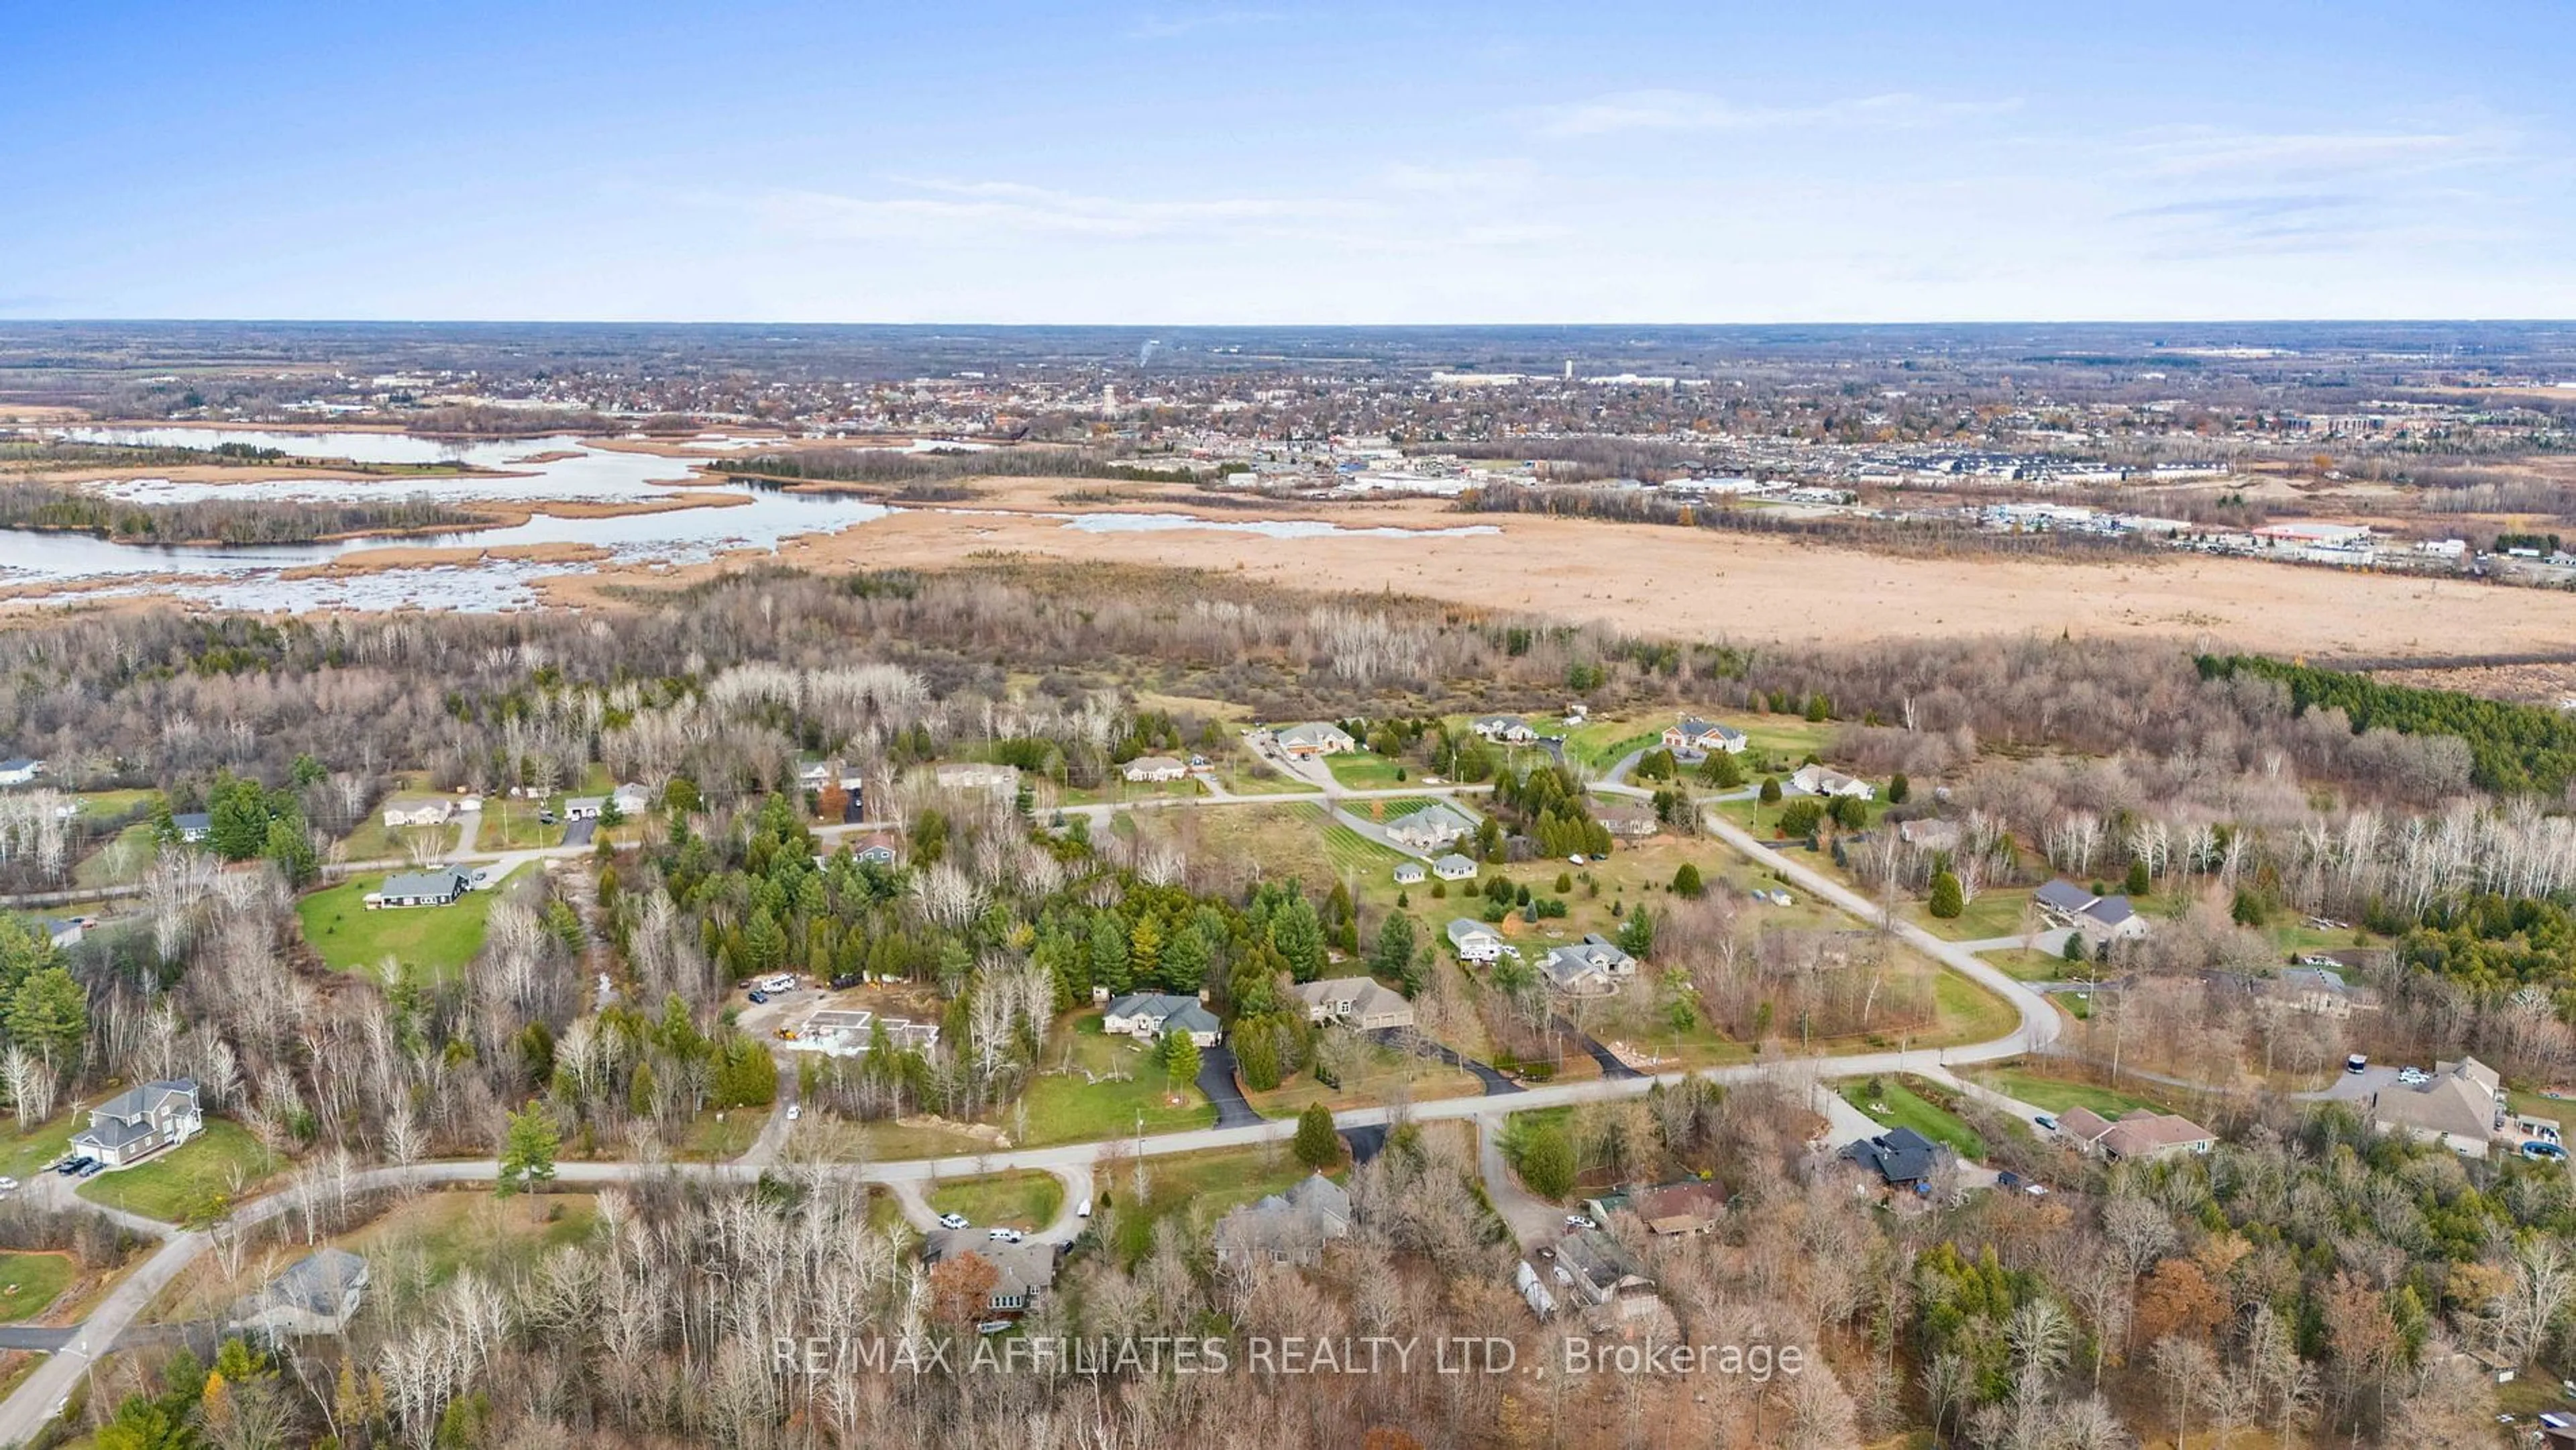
(1591, 967)
(1900, 1157)
(1359, 1002)
(876, 850)
(414, 810)
(2101, 919)
(2142, 1134)
(1626, 818)
(139, 1122)
(1286, 1228)
(1694, 736)
(1148, 1015)
(1475, 941)
(20, 770)
(1454, 867)
(1316, 737)
(631, 800)
(2322, 992)
(1601, 1272)
(1023, 1273)
(1155, 768)
(1929, 834)
(441, 887)
(193, 826)
(1504, 729)
(318, 1294)
(1669, 1210)
(2456, 1109)
(1817, 780)
(62, 931)
(1409, 873)
(976, 775)
(1430, 828)
(584, 807)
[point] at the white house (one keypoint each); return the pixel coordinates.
(631, 799)
(584, 807)
(1591, 967)
(1453, 867)
(1817, 780)
(19, 770)
(1504, 729)
(139, 1122)
(193, 826)
(2101, 919)
(318, 1294)
(1157, 768)
(1409, 873)
(1430, 828)
(1475, 941)
(62, 931)
(414, 810)
(1317, 737)
(1694, 736)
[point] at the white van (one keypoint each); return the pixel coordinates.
(1083, 1209)
(2355, 1063)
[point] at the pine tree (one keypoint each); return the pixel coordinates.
(1947, 900)
(1317, 1145)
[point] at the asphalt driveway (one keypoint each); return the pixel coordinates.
(1216, 1079)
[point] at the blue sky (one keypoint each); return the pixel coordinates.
(1278, 162)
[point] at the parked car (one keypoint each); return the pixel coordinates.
(1084, 1211)
(1576, 1220)
(992, 1326)
(91, 1167)
(953, 1220)
(758, 996)
(1004, 1235)
(2358, 1062)
(2413, 1076)
(2046, 1121)
(845, 981)
(795, 1111)
(73, 1165)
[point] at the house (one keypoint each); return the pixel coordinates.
(1694, 736)
(584, 807)
(1626, 818)
(415, 810)
(318, 1294)
(441, 887)
(1286, 1228)
(1454, 867)
(1475, 941)
(20, 769)
(1155, 768)
(631, 800)
(1669, 1210)
(1430, 828)
(62, 931)
(1360, 1002)
(815, 775)
(2322, 992)
(1316, 737)
(876, 850)
(1817, 780)
(1148, 1015)
(977, 775)
(1504, 729)
(2101, 919)
(1591, 967)
(1023, 1273)
(1901, 1157)
(2142, 1134)
(1409, 873)
(1929, 834)
(2457, 1108)
(193, 826)
(139, 1122)
(1601, 1272)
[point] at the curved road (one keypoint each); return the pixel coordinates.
(40, 1397)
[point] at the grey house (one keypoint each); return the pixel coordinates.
(1286, 1228)
(421, 888)
(318, 1294)
(137, 1123)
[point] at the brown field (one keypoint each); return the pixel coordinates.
(1671, 581)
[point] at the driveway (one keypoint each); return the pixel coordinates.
(1494, 1083)
(1612, 1069)
(578, 833)
(1532, 1219)
(1216, 1079)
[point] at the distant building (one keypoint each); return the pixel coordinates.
(1817, 780)
(1316, 737)
(1504, 729)
(1475, 941)
(2457, 1108)
(193, 826)
(1602, 1273)
(1286, 1228)
(442, 887)
(1694, 736)
(2142, 1135)
(416, 810)
(2100, 919)
(1454, 867)
(2323, 992)
(1899, 1158)
(1929, 834)
(1360, 1002)
(1023, 1273)
(584, 807)
(1591, 967)
(318, 1294)
(1156, 768)
(1148, 1015)
(1409, 873)
(63, 931)
(20, 770)
(1430, 828)
(631, 800)
(139, 1122)
(976, 775)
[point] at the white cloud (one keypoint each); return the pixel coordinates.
(1669, 110)
(2205, 151)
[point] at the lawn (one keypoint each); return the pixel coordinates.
(1026, 1200)
(29, 1282)
(1065, 1107)
(2298, 936)
(99, 805)
(1367, 770)
(718, 1135)
(510, 825)
(120, 861)
(2057, 1094)
(24, 1155)
(1601, 744)
(1204, 1186)
(350, 938)
(1969, 1013)
(2026, 965)
(1380, 1073)
(1898, 1105)
(371, 840)
(197, 1179)
(1284, 841)
(1353, 854)
(416, 1245)
(1995, 912)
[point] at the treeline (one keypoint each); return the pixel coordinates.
(229, 522)
(2513, 749)
(887, 467)
(1940, 536)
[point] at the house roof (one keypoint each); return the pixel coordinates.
(2448, 1104)
(1017, 1268)
(318, 1283)
(1186, 1013)
(2063, 895)
(1900, 1155)
(1678, 1207)
(1455, 865)
(141, 1100)
(1433, 818)
(1408, 871)
(1313, 732)
(1147, 764)
(2146, 1131)
(424, 883)
(1366, 995)
(19, 762)
(194, 820)
(2110, 910)
(1599, 1261)
(1465, 929)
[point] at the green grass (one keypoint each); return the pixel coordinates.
(1995, 912)
(2026, 965)
(1969, 1013)
(2057, 1094)
(371, 840)
(2298, 936)
(194, 1180)
(1352, 853)
(715, 1136)
(1204, 1187)
(1370, 771)
(102, 804)
(1026, 1200)
(510, 825)
(1900, 1106)
(99, 867)
(29, 1282)
(24, 1155)
(1601, 744)
(439, 940)
(1064, 1108)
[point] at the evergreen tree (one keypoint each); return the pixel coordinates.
(1180, 1058)
(528, 1151)
(1317, 1145)
(1686, 882)
(1947, 900)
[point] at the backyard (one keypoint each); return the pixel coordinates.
(348, 937)
(2057, 1094)
(195, 1180)
(1203, 1186)
(1367, 770)
(31, 1281)
(1898, 1104)
(1025, 1200)
(1112, 1086)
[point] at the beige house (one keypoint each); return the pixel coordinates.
(402, 811)
(1154, 768)
(2142, 1135)
(2456, 1109)
(1360, 1002)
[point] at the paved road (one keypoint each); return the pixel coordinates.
(1216, 1079)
